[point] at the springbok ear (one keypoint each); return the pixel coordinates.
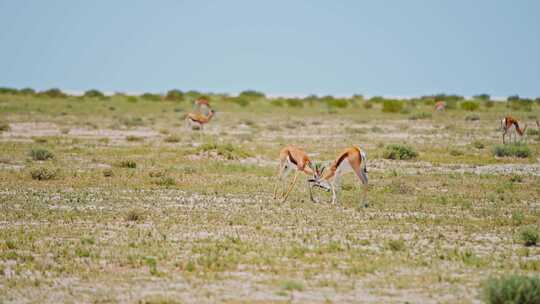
(322, 169)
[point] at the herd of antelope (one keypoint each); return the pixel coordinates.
(352, 159)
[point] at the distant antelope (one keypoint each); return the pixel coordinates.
(199, 120)
(290, 158)
(440, 106)
(509, 126)
(351, 160)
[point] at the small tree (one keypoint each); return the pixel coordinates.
(93, 93)
(174, 95)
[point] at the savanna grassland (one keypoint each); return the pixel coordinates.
(113, 200)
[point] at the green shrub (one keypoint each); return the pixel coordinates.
(489, 103)
(469, 105)
(241, 101)
(27, 91)
(132, 99)
(521, 104)
(392, 106)
(515, 150)
(151, 97)
(397, 151)
(40, 154)
(127, 164)
(277, 102)
(53, 93)
(484, 97)
(165, 181)
(174, 95)
(43, 173)
(455, 152)
(513, 289)
(251, 94)
(337, 103)
(134, 138)
(6, 90)
(93, 94)
(292, 285)
(529, 236)
(294, 103)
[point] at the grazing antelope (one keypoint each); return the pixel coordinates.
(198, 120)
(292, 157)
(352, 159)
(202, 102)
(509, 126)
(440, 106)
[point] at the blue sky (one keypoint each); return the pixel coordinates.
(392, 48)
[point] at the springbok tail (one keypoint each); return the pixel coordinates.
(361, 172)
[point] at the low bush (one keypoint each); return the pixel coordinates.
(53, 93)
(43, 173)
(172, 139)
(241, 101)
(251, 94)
(337, 103)
(93, 94)
(470, 105)
(512, 289)
(40, 154)
(277, 102)
(27, 91)
(134, 215)
(294, 103)
(489, 103)
(396, 245)
(174, 95)
(478, 144)
(134, 138)
(529, 235)
(151, 97)
(132, 99)
(6, 90)
(392, 106)
(512, 150)
(397, 151)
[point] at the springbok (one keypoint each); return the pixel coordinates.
(202, 102)
(351, 160)
(440, 106)
(199, 120)
(509, 126)
(290, 158)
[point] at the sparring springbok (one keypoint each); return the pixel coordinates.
(351, 160)
(509, 126)
(202, 102)
(199, 120)
(290, 158)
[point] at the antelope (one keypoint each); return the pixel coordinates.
(292, 157)
(509, 126)
(198, 120)
(351, 160)
(440, 106)
(202, 102)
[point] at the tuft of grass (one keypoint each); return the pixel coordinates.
(165, 181)
(108, 173)
(134, 215)
(512, 289)
(396, 245)
(512, 150)
(397, 151)
(40, 154)
(172, 139)
(455, 152)
(134, 138)
(529, 236)
(43, 173)
(472, 117)
(126, 163)
(4, 127)
(421, 115)
(478, 144)
(291, 285)
(226, 150)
